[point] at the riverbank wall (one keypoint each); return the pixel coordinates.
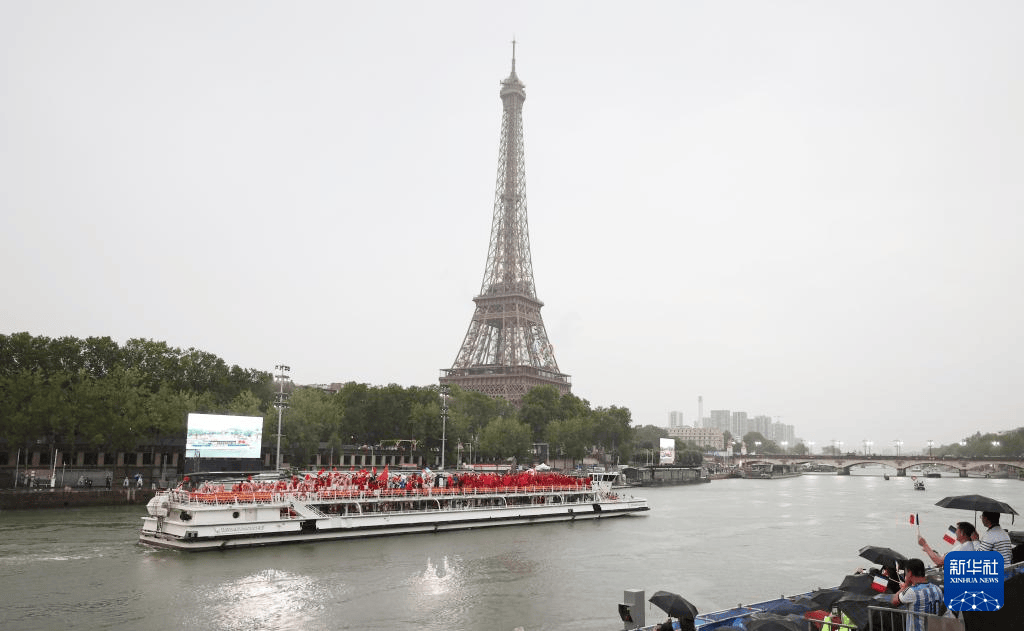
(70, 498)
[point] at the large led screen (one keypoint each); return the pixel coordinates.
(668, 451)
(220, 436)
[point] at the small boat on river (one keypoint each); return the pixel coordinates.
(328, 506)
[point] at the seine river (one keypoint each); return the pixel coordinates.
(718, 544)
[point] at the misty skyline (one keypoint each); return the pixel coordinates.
(806, 211)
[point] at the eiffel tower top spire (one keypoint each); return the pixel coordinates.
(506, 349)
(509, 266)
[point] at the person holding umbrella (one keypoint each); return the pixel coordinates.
(995, 538)
(676, 607)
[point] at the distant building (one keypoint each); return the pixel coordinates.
(782, 432)
(761, 424)
(739, 424)
(720, 419)
(675, 419)
(707, 437)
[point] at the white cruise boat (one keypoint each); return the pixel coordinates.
(342, 506)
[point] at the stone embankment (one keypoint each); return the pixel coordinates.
(68, 498)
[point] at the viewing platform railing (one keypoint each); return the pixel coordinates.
(326, 495)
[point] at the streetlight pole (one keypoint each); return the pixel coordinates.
(444, 419)
(930, 449)
(281, 377)
(897, 442)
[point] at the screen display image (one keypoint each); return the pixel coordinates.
(667, 451)
(221, 436)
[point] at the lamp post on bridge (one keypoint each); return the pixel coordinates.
(930, 449)
(898, 443)
(867, 447)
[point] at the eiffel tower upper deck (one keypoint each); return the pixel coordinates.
(506, 351)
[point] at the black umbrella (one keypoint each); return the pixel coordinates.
(674, 605)
(821, 598)
(856, 607)
(774, 622)
(858, 583)
(881, 556)
(976, 503)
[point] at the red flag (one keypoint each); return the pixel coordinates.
(384, 474)
(950, 536)
(915, 519)
(879, 584)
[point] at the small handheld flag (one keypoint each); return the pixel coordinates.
(950, 536)
(879, 584)
(915, 519)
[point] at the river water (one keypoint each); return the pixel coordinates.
(718, 544)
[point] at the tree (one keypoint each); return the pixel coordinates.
(689, 456)
(611, 432)
(750, 439)
(649, 436)
(504, 438)
(540, 406)
(571, 436)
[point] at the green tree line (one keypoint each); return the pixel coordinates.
(478, 427)
(98, 395)
(95, 394)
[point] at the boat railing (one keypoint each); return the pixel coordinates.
(182, 496)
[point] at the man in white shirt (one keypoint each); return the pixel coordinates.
(964, 542)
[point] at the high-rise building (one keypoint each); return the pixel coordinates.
(738, 424)
(506, 351)
(720, 419)
(675, 419)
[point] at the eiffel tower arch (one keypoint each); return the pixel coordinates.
(506, 351)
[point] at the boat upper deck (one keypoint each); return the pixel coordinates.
(227, 497)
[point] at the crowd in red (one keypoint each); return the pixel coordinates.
(364, 480)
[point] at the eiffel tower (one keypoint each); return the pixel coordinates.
(506, 351)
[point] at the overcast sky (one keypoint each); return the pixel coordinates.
(807, 210)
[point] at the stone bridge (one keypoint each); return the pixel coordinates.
(962, 466)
